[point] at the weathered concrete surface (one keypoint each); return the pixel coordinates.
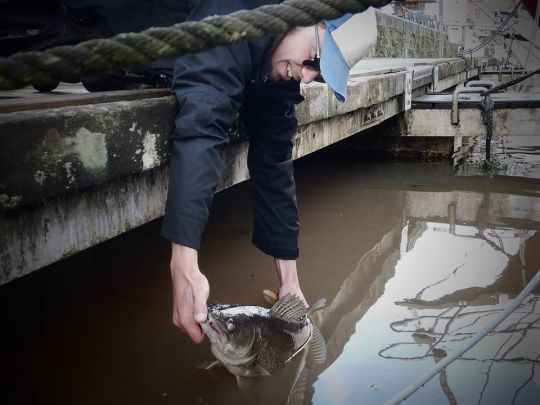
(37, 235)
(69, 95)
(52, 151)
(71, 148)
(515, 113)
(439, 74)
(99, 195)
(363, 92)
(436, 122)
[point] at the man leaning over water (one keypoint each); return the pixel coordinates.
(259, 79)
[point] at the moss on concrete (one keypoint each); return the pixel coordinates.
(398, 38)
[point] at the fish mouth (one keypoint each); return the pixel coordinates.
(212, 329)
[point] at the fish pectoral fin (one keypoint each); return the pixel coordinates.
(209, 364)
(320, 304)
(258, 371)
(317, 346)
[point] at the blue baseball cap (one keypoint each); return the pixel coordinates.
(347, 40)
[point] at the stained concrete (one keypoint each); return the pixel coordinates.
(437, 123)
(51, 151)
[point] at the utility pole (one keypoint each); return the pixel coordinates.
(441, 30)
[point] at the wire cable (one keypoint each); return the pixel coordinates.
(488, 40)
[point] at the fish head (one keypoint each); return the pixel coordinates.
(231, 331)
(252, 341)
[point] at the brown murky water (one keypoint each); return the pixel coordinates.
(413, 261)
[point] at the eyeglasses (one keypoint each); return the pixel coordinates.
(315, 62)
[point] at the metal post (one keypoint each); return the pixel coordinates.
(441, 30)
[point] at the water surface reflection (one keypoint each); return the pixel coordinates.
(411, 259)
(446, 287)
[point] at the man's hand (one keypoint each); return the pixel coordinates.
(190, 291)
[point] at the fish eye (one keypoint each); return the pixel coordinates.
(230, 324)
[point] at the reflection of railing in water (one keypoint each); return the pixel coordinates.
(443, 330)
(488, 373)
(431, 337)
(492, 237)
(471, 207)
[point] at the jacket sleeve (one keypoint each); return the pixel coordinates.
(271, 123)
(209, 87)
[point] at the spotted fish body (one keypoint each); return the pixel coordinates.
(252, 341)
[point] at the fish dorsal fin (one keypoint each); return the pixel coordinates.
(317, 346)
(289, 308)
(320, 304)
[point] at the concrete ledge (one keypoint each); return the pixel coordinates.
(37, 235)
(56, 150)
(28, 99)
(87, 173)
(437, 123)
(62, 149)
(63, 225)
(363, 92)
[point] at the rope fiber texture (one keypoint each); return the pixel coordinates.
(71, 62)
(488, 105)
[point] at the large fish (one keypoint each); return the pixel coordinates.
(255, 341)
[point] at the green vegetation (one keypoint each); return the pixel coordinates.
(491, 166)
(416, 42)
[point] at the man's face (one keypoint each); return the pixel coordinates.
(297, 46)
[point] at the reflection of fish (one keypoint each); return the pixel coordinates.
(253, 341)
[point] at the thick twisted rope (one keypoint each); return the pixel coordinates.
(488, 105)
(71, 62)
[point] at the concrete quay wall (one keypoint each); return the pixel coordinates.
(400, 38)
(73, 174)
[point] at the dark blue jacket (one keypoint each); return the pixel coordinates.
(213, 88)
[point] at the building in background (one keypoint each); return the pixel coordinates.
(502, 29)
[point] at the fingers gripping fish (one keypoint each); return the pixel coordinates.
(254, 341)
